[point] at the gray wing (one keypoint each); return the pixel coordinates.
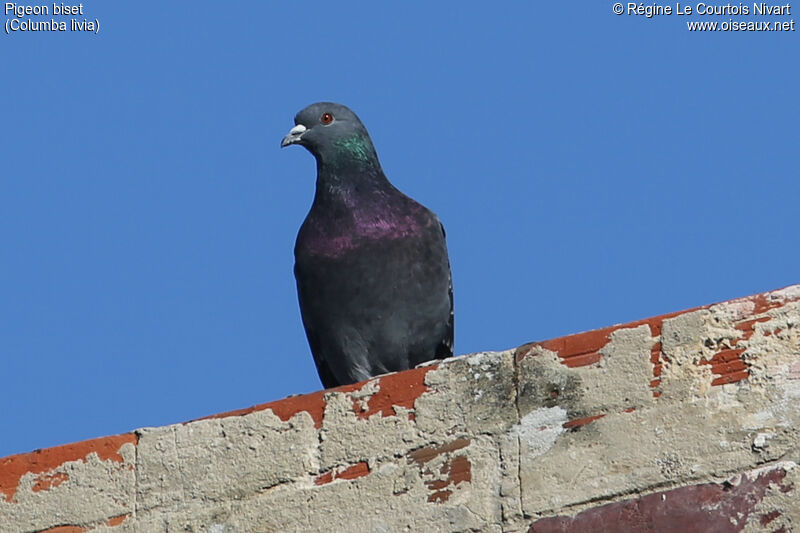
(445, 348)
(326, 375)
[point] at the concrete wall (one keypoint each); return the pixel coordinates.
(684, 422)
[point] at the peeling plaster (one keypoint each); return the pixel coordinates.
(662, 410)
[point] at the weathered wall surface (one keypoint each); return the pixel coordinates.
(684, 422)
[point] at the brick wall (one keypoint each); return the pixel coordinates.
(684, 422)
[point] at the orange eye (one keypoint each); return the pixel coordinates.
(326, 118)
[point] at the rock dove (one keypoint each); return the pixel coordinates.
(371, 264)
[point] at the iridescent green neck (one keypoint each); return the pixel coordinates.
(356, 146)
(354, 150)
(348, 165)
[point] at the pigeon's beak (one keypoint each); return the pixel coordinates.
(294, 136)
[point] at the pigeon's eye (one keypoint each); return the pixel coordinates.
(326, 118)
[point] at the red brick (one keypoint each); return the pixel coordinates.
(718, 508)
(12, 468)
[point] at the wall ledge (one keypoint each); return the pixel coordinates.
(685, 420)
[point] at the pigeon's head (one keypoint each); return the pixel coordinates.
(333, 133)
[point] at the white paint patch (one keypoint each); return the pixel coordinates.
(761, 440)
(387, 470)
(789, 293)
(752, 475)
(216, 528)
(539, 429)
(486, 360)
(734, 310)
(483, 361)
(792, 391)
(759, 419)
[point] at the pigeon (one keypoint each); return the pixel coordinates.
(371, 264)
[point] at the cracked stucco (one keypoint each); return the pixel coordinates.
(489, 442)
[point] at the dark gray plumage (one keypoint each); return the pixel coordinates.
(373, 276)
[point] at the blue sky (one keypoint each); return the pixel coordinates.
(590, 169)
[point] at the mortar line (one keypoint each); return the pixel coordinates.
(179, 465)
(634, 493)
(136, 476)
(319, 438)
(519, 437)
